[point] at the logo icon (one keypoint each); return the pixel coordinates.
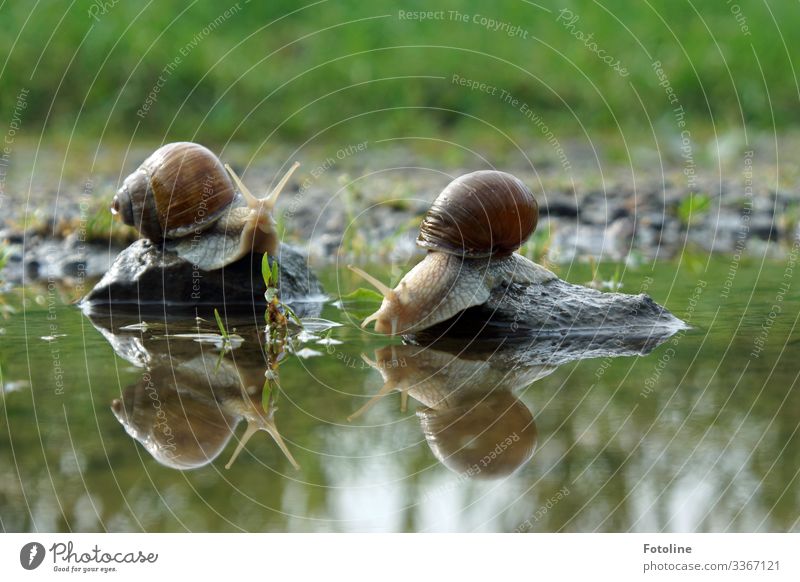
(31, 555)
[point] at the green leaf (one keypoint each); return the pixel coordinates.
(275, 274)
(694, 206)
(362, 295)
(223, 332)
(266, 394)
(360, 303)
(265, 270)
(292, 314)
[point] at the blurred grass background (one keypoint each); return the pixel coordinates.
(284, 70)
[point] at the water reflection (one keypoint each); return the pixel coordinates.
(471, 419)
(192, 393)
(197, 386)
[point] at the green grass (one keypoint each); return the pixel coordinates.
(4, 256)
(275, 70)
(693, 206)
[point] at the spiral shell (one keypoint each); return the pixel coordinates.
(481, 214)
(182, 187)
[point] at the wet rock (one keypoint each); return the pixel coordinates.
(146, 276)
(555, 311)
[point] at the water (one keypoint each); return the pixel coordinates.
(701, 434)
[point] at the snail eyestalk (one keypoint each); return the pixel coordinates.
(389, 295)
(270, 199)
(382, 288)
(262, 206)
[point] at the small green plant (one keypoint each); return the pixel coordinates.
(597, 282)
(226, 345)
(693, 207)
(276, 315)
(537, 247)
(5, 254)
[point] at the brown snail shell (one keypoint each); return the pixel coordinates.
(481, 214)
(183, 195)
(181, 187)
(471, 231)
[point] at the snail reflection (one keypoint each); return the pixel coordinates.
(468, 412)
(191, 396)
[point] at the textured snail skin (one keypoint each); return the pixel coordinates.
(471, 230)
(443, 285)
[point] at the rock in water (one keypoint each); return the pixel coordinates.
(145, 274)
(555, 313)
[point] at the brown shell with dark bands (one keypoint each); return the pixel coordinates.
(481, 214)
(181, 187)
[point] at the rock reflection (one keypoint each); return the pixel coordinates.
(192, 394)
(470, 417)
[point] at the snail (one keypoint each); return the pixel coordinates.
(183, 196)
(471, 233)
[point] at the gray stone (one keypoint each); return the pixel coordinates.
(556, 311)
(145, 276)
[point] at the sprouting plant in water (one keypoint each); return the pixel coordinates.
(276, 315)
(226, 344)
(597, 282)
(538, 246)
(694, 206)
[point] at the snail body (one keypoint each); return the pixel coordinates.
(182, 195)
(471, 232)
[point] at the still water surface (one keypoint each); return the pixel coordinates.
(701, 434)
